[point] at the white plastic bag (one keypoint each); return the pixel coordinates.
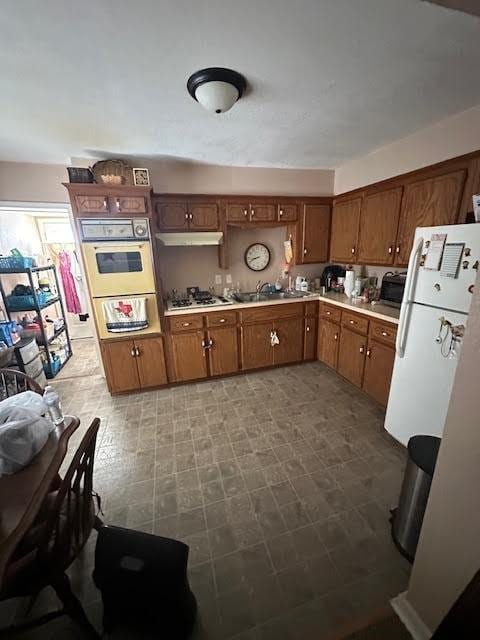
(23, 432)
(27, 400)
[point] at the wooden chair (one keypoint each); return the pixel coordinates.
(57, 536)
(13, 382)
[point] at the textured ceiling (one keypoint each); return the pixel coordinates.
(329, 79)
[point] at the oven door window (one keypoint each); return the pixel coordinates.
(119, 261)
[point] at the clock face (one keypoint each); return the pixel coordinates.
(257, 257)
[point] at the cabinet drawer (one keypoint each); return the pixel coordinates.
(272, 312)
(219, 319)
(383, 331)
(186, 323)
(355, 321)
(330, 312)
(311, 308)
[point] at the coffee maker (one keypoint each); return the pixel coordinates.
(331, 273)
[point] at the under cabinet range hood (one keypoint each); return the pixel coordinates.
(193, 239)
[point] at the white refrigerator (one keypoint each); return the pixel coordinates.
(441, 274)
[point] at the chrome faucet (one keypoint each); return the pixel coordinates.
(260, 286)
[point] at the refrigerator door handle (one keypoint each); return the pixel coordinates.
(407, 298)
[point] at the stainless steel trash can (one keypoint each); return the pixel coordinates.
(408, 517)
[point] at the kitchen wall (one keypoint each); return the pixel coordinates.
(190, 266)
(447, 555)
(29, 182)
(446, 139)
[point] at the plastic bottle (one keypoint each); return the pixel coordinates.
(52, 400)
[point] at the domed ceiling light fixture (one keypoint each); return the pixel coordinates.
(217, 89)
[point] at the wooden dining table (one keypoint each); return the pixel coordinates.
(22, 493)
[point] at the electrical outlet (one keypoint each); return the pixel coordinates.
(218, 279)
(228, 278)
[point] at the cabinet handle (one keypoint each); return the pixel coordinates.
(305, 251)
(307, 328)
(132, 353)
(190, 216)
(186, 216)
(137, 352)
(353, 250)
(384, 333)
(105, 204)
(397, 249)
(335, 337)
(117, 204)
(369, 353)
(329, 313)
(362, 349)
(253, 212)
(390, 250)
(186, 324)
(222, 320)
(352, 322)
(245, 212)
(281, 212)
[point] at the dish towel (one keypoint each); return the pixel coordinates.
(128, 314)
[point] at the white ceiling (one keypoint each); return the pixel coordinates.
(330, 79)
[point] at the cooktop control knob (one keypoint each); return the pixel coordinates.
(140, 230)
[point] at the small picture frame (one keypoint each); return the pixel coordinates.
(141, 177)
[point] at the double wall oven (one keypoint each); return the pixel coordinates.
(119, 263)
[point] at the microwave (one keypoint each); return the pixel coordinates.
(393, 286)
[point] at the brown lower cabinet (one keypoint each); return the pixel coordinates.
(364, 355)
(289, 332)
(310, 339)
(328, 340)
(222, 350)
(256, 345)
(189, 355)
(378, 371)
(351, 356)
(134, 364)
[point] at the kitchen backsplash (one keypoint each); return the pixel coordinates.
(197, 266)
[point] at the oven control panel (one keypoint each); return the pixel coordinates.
(96, 230)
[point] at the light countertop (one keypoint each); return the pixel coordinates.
(380, 311)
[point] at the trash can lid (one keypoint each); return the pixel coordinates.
(423, 451)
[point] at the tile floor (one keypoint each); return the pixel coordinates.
(279, 481)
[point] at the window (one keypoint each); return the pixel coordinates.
(56, 231)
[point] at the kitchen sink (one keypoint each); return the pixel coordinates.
(253, 296)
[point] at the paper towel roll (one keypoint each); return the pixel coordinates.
(349, 283)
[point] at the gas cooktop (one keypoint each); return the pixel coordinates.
(195, 303)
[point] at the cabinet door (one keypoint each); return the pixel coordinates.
(328, 341)
(129, 204)
(257, 350)
(172, 216)
(203, 217)
(92, 204)
(120, 365)
(151, 362)
(428, 203)
(237, 212)
(263, 213)
(351, 356)
(316, 228)
(378, 371)
(189, 356)
(290, 334)
(223, 352)
(378, 226)
(345, 221)
(287, 212)
(310, 339)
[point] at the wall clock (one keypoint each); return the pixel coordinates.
(257, 257)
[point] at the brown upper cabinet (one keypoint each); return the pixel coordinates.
(315, 230)
(287, 212)
(187, 216)
(251, 212)
(428, 202)
(106, 199)
(378, 226)
(345, 223)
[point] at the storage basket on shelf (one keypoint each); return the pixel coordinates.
(24, 302)
(51, 369)
(15, 263)
(9, 333)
